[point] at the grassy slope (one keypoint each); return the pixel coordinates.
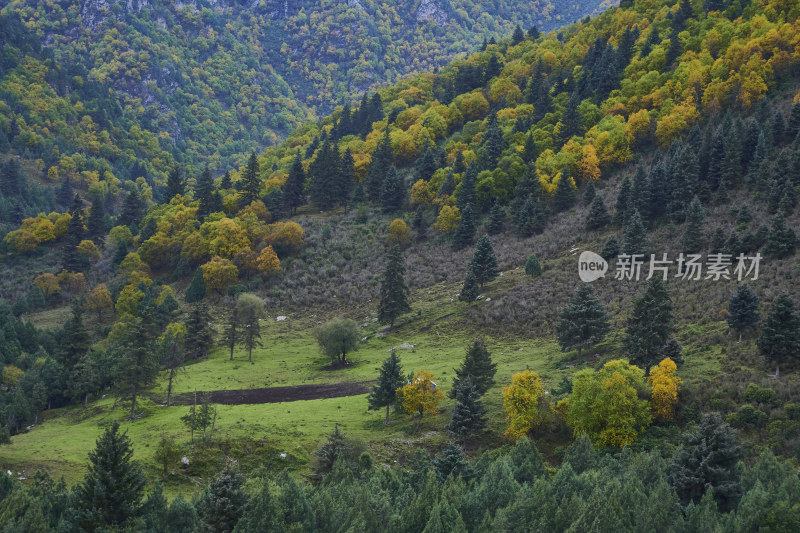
(259, 433)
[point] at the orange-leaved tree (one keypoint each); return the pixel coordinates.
(421, 395)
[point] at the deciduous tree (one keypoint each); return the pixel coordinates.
(525, 404)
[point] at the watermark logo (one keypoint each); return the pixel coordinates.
(591, 266)
(687, 267)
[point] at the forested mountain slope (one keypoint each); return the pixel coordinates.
(136, 88)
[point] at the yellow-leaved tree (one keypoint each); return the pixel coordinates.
(525, 404)
(448, 219)
(219, 273)
(99, 301)
(421, 395)
(399, 233)
(268, 262)
(664, 396)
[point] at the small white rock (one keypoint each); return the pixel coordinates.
(281, 318)
(185, 461)
(283, 456)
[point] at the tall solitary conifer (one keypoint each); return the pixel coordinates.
(394, 292)
(391, 378)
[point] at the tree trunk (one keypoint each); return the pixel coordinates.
(580, 348)
(344, 358)
(86, 400)
(250, 354)
(777, 370)
(232, 344)
(133, 404)
(169, 385)
(213, 422)
(740, 337)
(386, 422)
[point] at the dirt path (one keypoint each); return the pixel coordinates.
(277, 394)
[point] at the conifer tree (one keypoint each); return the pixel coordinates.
(293, 193)
(584, 321)
(75, 340)
(533, 267)
(64, 195)
(781, 240)
(531, 218)
(225, 182)
(394, 292)
(347, 179)
(477, 367)
(451, 462)
(12, 183)
(589, 193)
(73, 261)
(204, 194)
(517, 37)
(223, 501)
(635, 241)
(196, 290)
(529, 150)
(564, 197)
(493, 144)
(250, 309)
(137, 366)
(650, 325)
(780, 334)
(743, 310)
(110, 495)
(469, 291)
(533, 33)
(497, 218)
(465, 231)
(392, 190)
(466, 193)
(199, 333)
(175, 185)
(484, 262)
(640, 192)
(707, 463)
(96, 222)
(250, 182)
(382, 159)
(132, 208)
(231, 333)
(624, 207)
(693, 234)
(391, 378)
(448, 185)
(469, 413)
(598, 216)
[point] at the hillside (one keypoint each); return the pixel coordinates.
(134, 89)
(442, 219)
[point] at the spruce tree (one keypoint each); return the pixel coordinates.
(493, 144)
(564, 197)
(530, 151)
(250, 182)
(73, 261)
(204, 193)
(589, 193)
(74, 340)
(531, 218)
(497, 218)
(64, 195)
(392, 190)
(451, 462)
(12, 183)
(640, 193)
(484, 262)
(175, 185)
(635, 241)
(225, 182)
(533, 33)
(96, 222)
(448, 185)
(781, 240)
(346, 180)
(625, 204)
(382, 159)
(110, 495)
(598, 216)
(584, 321)
(469, 291)
(469, 413)
(533, 267)
(293, 194)
(465, 231)
(132, 208)
(693, 234)
(323, 176)
(650, 325)
(517, 37)
(780, 334)
(223, 501)
(707, 463)
(466, 193)
(743, 310)
(391, 378)
(196, 290)
(137, 366)
(199, 332)
(231, 333)
(394, 292)
(477, 367)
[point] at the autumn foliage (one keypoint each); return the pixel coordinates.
(525, 404)
(665, 384)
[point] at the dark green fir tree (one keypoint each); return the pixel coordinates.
(780, 334)
(196, 290)
(743, 310)
(583, 322)
(394, 292)
(469, 413)
(391, 378)
(477, 367)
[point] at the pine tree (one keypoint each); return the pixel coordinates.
(571, 123)
(780, 334)
(465, 232)
(250, 182)
(497, 217)
(531, 218)
(484, 262)
(469, 413)
(529, 150)
(533, 33)
(743, 215)
(426, 164)
(175, 185)
(477, 367)
(73, 261)
(391, 378)
(394, 292)
(589, 193)
(196, 290)
(635, 241)
(392, 190)
(448, 185)
(781, 240)
(598, 216)
(204, 194)
(347, 179)
(110, 495)
(225, 182)
(75, 340)
(223, 501)
(693, 234)
(262, 513)
(65, 194)
(250, 309)
(517, 37)
(466, 193)
(493, 143)
(584, 321)
(707, 463)
(12, 183)
(533, 267)
(382, 159)
(451, 462)
(323, 175)
(640, 192)
(96, 222)
(650, 325)
(199, 333)
(743, 310)
(469, 291)
(132, 208)
(137, 366)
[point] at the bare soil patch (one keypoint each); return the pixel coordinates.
(278, 394)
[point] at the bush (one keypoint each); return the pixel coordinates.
(532, 266)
